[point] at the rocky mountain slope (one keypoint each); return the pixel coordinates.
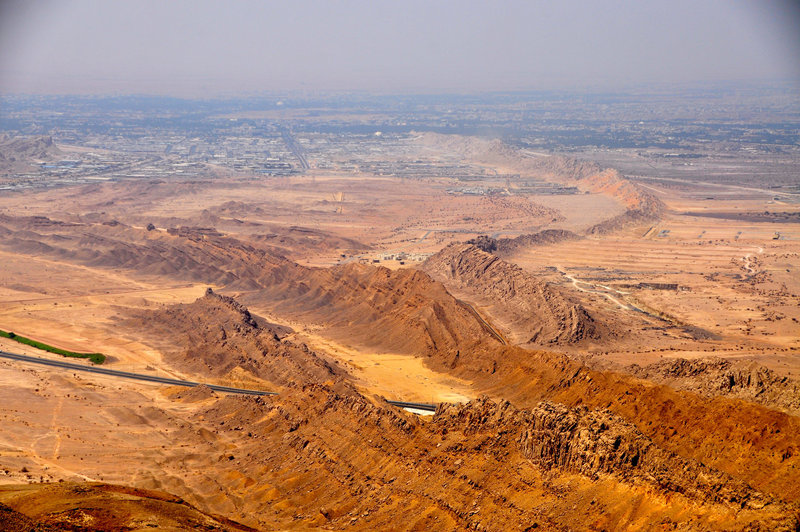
(681, 437)
(318, 456)
(596, 442)
(743, 439)
(315, 458)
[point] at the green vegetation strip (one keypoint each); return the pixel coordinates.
(96, 358)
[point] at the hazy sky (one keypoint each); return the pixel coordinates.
(204, 47)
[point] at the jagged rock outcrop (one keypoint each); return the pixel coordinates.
(597, 442)
(226, 301)
(484, 243)
(533, 310)
(508, 246)
(715, 376)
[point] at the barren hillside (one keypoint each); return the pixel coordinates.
(96, 506)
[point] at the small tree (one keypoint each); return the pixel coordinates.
(484, 243)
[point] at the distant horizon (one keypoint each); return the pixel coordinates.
(641, 88)
(204, 48)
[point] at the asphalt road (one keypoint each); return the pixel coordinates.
(164, 380)
(127, 374)
(295, 148)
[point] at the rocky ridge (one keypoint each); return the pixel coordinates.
(715, 377)
(534, 311)
(397, 311)
(508, 246)
(479, 466)
(596, 442)
(218, 336)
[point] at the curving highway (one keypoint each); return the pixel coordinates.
(127, 374)
(175, 382)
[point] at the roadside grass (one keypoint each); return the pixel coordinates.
(96, 358)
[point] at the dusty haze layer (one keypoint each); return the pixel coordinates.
(201, 49)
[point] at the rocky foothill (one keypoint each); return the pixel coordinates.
(534, 311)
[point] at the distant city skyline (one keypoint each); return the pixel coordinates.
(209, 48)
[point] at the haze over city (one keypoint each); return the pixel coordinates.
(206, 48)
